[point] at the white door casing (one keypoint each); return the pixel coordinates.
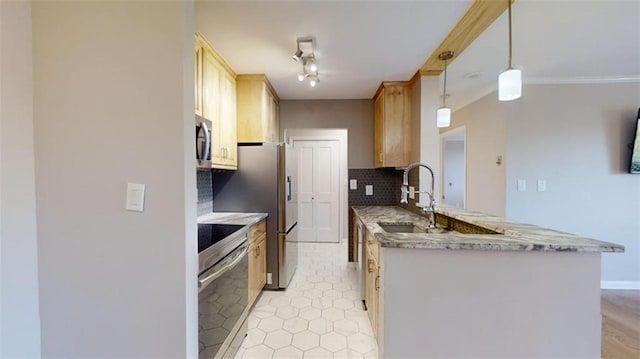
(318, 191)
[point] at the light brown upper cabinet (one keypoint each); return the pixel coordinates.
(216, 101)
(258, 110)
(396, 133)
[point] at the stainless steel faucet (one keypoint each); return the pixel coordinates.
(405, 191)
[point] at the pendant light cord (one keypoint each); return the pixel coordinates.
(509, 2)
(444, 93)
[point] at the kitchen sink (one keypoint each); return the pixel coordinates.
(409, 228)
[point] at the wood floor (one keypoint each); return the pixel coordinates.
(620, 324)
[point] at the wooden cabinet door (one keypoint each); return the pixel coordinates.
(253, 268)
(261, 280)
(396, 131)
(198, 79)
(211, 102)
(275, 120)
(265, 115)
(375, 297)
(257, 110)
(378, 130)
(228, 126)
(394, 126)
(372, 280)
(257, 260)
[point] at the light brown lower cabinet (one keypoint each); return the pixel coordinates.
(257, 260)
(372, 280)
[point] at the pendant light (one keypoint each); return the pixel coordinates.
(443, 116)
(510, 81)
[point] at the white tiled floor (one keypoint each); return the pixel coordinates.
(320, 315)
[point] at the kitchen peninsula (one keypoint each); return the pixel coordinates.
(479, 286)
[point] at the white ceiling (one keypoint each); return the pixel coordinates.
(553, 42)
(361, 43)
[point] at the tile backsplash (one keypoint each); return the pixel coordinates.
(386, 192)
(205, 192)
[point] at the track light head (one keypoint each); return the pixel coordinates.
(297, 55)
(314, 81)
(301, 77)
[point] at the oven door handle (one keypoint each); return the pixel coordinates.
(204, 282)
(207, 141)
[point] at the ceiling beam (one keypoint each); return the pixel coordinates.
(478, 17)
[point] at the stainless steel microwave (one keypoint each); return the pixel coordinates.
(203, 143)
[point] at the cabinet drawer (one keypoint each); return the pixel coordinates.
(257, 230)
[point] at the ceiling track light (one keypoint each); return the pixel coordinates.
(443, 115)
(306, 55)
(510, 80)
(314, 81)
(297, 55)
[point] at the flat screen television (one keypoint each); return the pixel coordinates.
(634, 166)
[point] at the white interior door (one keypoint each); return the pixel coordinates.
(318, 190)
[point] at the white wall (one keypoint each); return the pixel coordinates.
(19, 313)
(486, 127)
(113, 101)
(429, 136)
(575, 137)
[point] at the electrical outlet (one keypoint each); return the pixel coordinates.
(269, 278)
(353, 184)
(412, 192)
(522, 185)
(368, 189)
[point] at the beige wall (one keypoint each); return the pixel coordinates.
(489, 304)
(429, 137)
(486, 125)
(113, 104)
(19, 312)
(575, 137)
(354, 115)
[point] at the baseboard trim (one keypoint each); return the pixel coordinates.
(634, 285)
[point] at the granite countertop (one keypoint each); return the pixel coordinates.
(511, 236)
(239, 218)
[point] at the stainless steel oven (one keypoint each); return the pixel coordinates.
(222, 289)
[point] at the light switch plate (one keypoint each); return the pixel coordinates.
(135, 197)
(353, 184)
(412, 192)
(542, 185)
(522, 185)
(368, 190)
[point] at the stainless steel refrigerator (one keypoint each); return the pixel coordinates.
(266, 181)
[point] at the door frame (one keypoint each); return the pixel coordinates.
(443, 136)
(341, 135)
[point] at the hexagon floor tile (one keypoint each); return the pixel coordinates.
(320, 315)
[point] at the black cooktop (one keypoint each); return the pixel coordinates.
(210, 234)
